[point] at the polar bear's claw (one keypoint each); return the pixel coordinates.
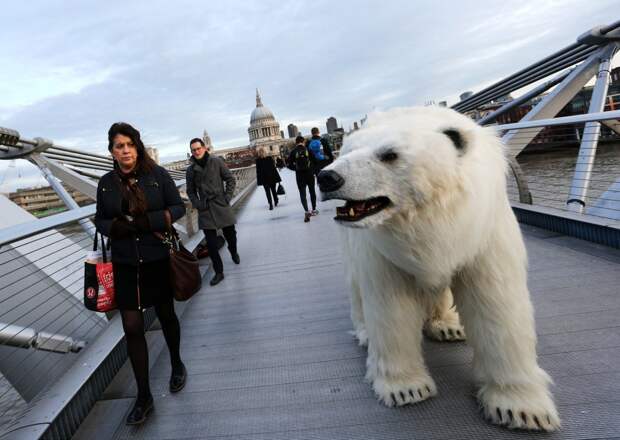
(399, 394)
(440, 330)
(361, 335)
(518, 409)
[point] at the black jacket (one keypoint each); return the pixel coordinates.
(292, 160)
(161, 193)
(266, 172)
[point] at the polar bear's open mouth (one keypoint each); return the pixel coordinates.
(353, 211)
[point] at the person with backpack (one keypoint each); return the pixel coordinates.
(301, 161)
(320, 149)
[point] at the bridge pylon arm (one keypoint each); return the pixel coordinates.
(13, 146)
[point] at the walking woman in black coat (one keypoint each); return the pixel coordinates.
(267, 175)
(135, 200)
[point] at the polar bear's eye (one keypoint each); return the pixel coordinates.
(388, 156)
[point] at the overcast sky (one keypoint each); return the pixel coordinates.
(69, 69)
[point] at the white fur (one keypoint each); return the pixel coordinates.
(450, 225)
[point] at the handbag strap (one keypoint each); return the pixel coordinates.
(104, 250)
(103, 246)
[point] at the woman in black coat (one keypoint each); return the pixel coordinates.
(267, 175)
(134, 201)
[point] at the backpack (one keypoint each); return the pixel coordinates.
(316, 148)
(302, 160)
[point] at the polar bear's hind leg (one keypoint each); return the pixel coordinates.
(357, 315)
(444, 323)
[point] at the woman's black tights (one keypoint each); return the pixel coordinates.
(133, 324)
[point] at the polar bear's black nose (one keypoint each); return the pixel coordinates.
(329, 181)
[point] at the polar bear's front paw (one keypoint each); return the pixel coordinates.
(361, 335)
(440, 330)
(401, 392)
(519, 407)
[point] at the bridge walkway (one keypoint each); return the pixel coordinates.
(270, 357)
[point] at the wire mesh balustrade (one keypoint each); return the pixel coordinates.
(567, 165)
(43, 323)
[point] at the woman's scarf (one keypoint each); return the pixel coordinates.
(132, 193)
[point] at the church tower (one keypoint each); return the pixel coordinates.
(207, 140)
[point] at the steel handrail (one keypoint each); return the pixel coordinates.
(564, 120)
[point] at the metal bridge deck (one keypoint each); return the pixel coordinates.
(270, 357)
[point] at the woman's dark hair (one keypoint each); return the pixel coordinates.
(144, 163)
(299, 139)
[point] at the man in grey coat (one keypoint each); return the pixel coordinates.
(210, 186)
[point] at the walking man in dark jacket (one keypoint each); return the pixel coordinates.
(321, 151)
(210, 187)
(300, 160)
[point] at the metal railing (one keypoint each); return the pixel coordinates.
(45, 331)
(573, 164)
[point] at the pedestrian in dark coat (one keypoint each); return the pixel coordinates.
(210, 188)
(267, 176)
(134, 201)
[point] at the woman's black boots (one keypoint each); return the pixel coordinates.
(177, 379)
(140, 411)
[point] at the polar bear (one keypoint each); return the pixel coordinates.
(427, 211)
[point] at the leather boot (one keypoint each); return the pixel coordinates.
(177, 380)
(216, 279)
(140, 411)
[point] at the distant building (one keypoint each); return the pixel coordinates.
(237, 157)
(264, 130)
(442, 104)
(207, 140)
(178, 165)
(44, 201)
(355, 126)
(282, 134)
(292, 131)
(331, 125)
(153, 153)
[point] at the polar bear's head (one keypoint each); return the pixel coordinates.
(409, 161)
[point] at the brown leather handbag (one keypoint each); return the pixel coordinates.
(184, 269)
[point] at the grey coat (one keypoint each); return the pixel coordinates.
(210, 190)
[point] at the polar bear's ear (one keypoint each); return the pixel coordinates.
(457, 138)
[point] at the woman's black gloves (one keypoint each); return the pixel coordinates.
(123, 228)
(141, 223)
